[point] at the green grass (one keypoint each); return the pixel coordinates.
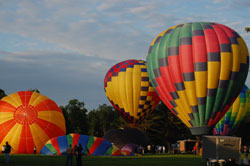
(146, 160)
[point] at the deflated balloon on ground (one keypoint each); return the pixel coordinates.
(92, 146)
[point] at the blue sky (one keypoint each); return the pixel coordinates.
(65, 47)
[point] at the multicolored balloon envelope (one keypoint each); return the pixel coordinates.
(128, 89)
(198, 70)
(92, 146)
(235, 115)
(29, 119)
(130, 147)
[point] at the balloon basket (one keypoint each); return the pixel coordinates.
(199, 131)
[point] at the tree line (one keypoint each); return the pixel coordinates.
(161, 126)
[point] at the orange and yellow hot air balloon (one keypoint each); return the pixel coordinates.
(29, 119)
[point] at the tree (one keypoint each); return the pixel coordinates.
(103, 119)
(247, 29)
(66, 117)
(243, 130)
(2, 93)
(76, 117)
(34, 90)
(163, 127)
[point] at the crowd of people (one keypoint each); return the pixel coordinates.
(77, 152)
(7, 148)
(71, 152)
(245, 150)
(152, 149)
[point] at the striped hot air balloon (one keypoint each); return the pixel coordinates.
(128, 89)
(92, 146)
(235, 115)
(29, 119)
(198, 70)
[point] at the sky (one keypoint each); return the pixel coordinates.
(65, 47)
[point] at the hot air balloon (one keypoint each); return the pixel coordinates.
(130, 147)
(92, 146)
(198, 70)
(124, 136)
(29, 119)
(128, 89)
(235, 115)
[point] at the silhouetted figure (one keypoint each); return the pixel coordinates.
(75, 151)
(231, 162)
(79, 155)
(69, 152)
(153, 149)
(7, 152)
(35, 149)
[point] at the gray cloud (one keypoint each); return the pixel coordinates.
(87, 33)
(239, 4)
(112, 29)
(57, 75)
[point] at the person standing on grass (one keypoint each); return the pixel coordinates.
(163, 149)
(69, 152)
(149, 148)
(7, 152)
(79, 155)
(194, 149)
(245, 160)
(35, 149)
(3, 149)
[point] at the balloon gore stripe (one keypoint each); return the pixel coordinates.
(198, 70)
(92, 146)
(22, 125)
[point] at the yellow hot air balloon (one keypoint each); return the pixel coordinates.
(128, 89)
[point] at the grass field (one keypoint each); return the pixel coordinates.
(147, 160)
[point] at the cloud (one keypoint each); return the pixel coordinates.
(242, 4)
(89, 34)
(218, 1)
(109, 4)
(107, 25)
(64, 46)
(111, 30)
(57, 75)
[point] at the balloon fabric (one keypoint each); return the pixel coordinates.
(235, 115)
(198, 70)
(28, 120)
(92, 146)
(128, 89)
